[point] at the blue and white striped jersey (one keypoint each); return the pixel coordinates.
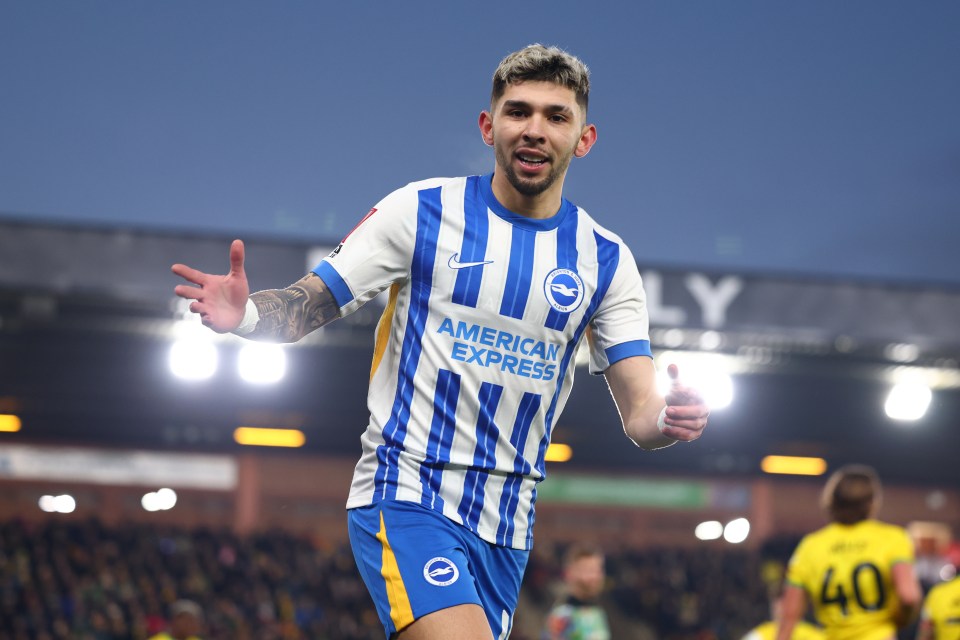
(474, 354)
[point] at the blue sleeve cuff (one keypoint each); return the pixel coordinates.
(339, 289)
(628, 349)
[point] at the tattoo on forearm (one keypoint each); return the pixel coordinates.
(289, 314)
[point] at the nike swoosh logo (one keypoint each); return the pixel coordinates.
(454, 262)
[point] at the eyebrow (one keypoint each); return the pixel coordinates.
(523, 104)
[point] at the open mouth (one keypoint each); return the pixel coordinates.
(531, 160)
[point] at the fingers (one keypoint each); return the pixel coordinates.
(674, 372)
(189, 274)
(686, 422)
(186, 291)
(205, 320)
(683, 434)
(688, 416)
(236, 256)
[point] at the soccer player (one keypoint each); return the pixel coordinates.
(493, 283)
(803, 630)
(857, 571)
(579, 616)
(940, 618)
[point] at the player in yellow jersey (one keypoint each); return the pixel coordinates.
(941, 612)
(803, 630)
(857, 572)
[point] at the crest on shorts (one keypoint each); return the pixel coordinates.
(563, 289)
(440, 571)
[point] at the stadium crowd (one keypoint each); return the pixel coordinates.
(82, 580)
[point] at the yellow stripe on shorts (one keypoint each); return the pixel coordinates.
(400, 611)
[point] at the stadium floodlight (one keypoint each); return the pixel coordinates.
(706, 372)
(908, 401)
(149, 501)
(193, 359)
(736, 531)
(161, 500)
(66, 503)
(58, 504)
(709, 530)
(166, 498)
(262, 363)
(193, 354)
(717, 390)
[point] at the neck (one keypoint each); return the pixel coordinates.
(584, 596)
(539, 206)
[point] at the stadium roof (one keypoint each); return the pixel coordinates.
(87, 318)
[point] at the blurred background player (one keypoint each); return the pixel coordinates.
(940, 619)
(186, 618)
(803, 630)
(578, 615)
(857, 572)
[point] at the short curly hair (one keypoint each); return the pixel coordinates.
(538, 62)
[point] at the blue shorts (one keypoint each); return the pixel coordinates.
(415, 561)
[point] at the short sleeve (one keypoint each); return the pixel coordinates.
(620, 328)
(901, 549)
(375, 254)
(798, 568)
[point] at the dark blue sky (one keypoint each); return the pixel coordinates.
(806, 138)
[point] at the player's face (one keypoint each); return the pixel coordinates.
(585, 577)
(535, 129)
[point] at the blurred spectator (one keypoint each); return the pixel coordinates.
(578, 615)
(186, 618)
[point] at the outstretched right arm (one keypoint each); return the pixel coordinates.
(285, 315)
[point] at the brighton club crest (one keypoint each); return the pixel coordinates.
(563, 289)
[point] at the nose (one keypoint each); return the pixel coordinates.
(533, 132)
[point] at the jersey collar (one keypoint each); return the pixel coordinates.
(534, 224)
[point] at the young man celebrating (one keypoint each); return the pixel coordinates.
(493, 283)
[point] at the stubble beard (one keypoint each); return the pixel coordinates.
(525, 186)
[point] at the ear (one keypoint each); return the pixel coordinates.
(486, 127)
(587, 139)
